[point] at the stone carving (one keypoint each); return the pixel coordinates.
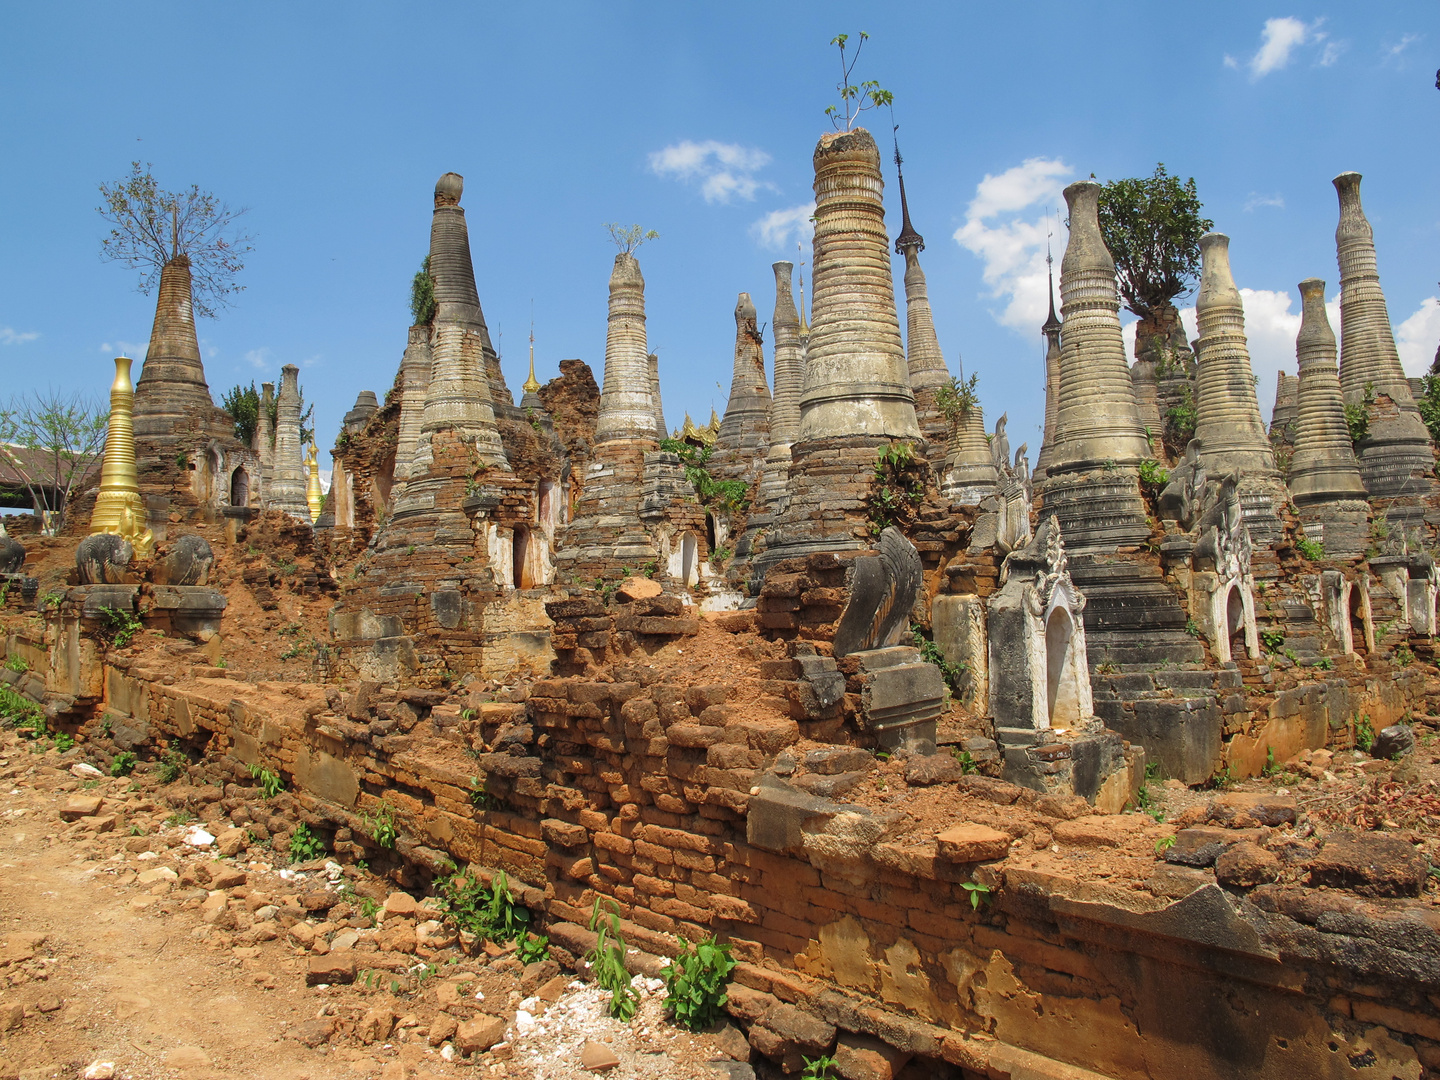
(12, 553)
(1039, 674)
(882, 593)
(1180, 500)
(104, 559)
(187, 562)
(1222, 586)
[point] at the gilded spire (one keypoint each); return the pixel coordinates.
(532, 384)
(118, 507)
(314, 495)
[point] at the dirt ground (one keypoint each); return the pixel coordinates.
(106, 956)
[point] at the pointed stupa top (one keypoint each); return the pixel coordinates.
(531, 385)
(745, 430)
(1051, 327)
(789, 367)
(908, 237)
(627, 404)
(172, 382)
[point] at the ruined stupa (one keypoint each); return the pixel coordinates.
(785, 406)
(925, 361)
(745, 429)
(856, 396)
(1324, 478)
(1395, 456)
(287, 484)
(1228, 424)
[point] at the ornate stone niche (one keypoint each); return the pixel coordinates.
(1039, 675)
(1222, 587)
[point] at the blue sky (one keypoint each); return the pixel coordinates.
(332, 122)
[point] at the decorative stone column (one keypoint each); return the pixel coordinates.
(660, 429)
(1395, 456)
(119, 509)
(785, 406)
(745, 430)
(1227, 412)
(856, 396)
(627, 405)
(287, 486)
(265, 440)
(1324, 477)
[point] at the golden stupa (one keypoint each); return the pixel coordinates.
(314, 496)
(118, 507)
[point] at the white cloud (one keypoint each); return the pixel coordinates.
(1392, 52)
(778, 229)
(124, 348)
(1331, 52)
(1230, 61)
(1278, 40)
(1256, 200)
(259, 358)
(723, 170)
(1417, 337)
(15, 337)
(1011, 243)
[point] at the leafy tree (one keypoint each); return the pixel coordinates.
(628, 238)
(422, 296)
(243, 405)
(1152, 226)
(856, 99)
(64, 434)
(151, 227)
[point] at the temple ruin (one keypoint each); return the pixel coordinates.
(559, 641)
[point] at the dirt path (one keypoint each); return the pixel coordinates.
(108, 953)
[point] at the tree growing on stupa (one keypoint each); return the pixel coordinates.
(1152, 227)
(854, 99)
(151, 227)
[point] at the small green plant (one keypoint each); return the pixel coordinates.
(171, 767)
(532, 948)
(721, 555)
(1105, 667)
(64, 741)
(380, 826)
(1180, 419)
(304, 844)
(479, 797)
(179, 818)
(1224, 779)
(52, 601)
(368, 908)
(897, 487)
(1153, 476)
(270, 783)
(1313, 550)
(695, 983)
(116, 627)
(1403, 655)
(18, 711)
(293, 651)
(819, 1068)
(967, 763)
(979, 894)
(1192, 628)
(182, 460)
(953, 673)
(124, 763)
(423, 305)
(955, 399)
(1364, 732)
(854, 99)
(607, 960)
(1164, 844)
(1357, 415)
(1145, 803)
(17, 664)
(1272, 640)
(1270, 766)
(1290, 655)
(289, 630)
(1323, 664)
(488, 911)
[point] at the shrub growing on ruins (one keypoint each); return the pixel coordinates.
(151, 227)
(695, 983)
(124, 763)
(854, 99)
(422, 296)
(1313, 550)
(1429, 403)
(628, 238)
(607, 959)
(116, 627)
(305, 845)
(1152, 228)
(270, 783)
(532, 948)
(243, 405)
(487, 911)
(18, 711)
(955, 399)
(380, 826)
(819, 1068)
(1357, 415)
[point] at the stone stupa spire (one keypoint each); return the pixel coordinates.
(970, 473)
(264, 444)
(172, 383)
(660, 428)
(1322, 468)
(119, 509)
(924, 359)
(1395, 456)
(789, 368)
(1051, 329)
(414, 383)
(1228, 423)
(745, 429)
(627, 405)
(287, 485)
(458, 397)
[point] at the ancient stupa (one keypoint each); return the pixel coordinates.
(924, 359)
(745, 429)
(119, 509)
